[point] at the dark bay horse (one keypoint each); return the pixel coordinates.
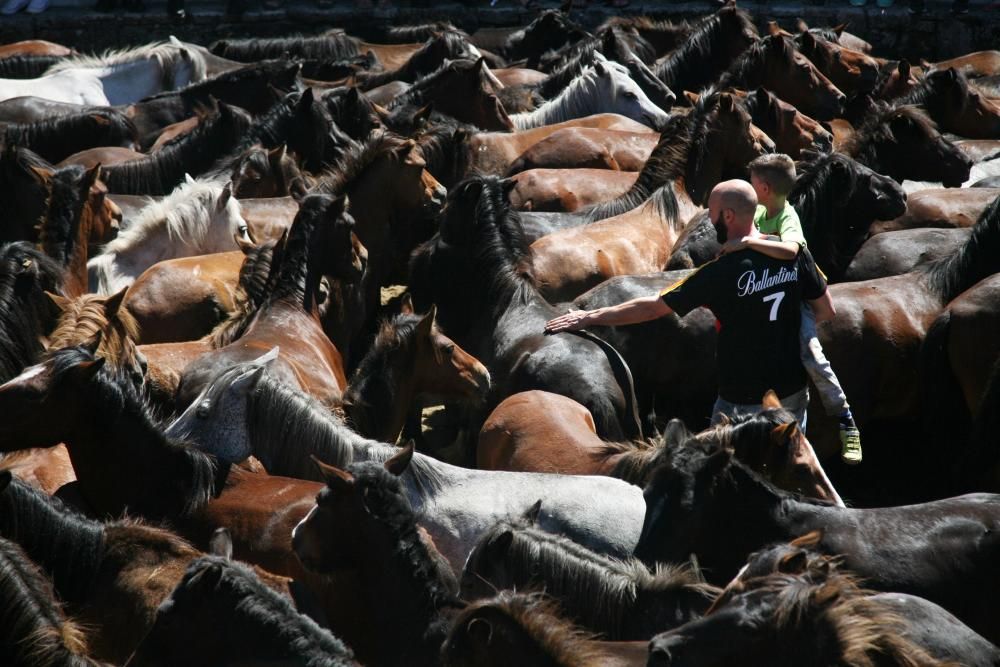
(363, 522)
(250, 622)
(237, 416)
(791, 130)
(949, 544)
(851, 71)
(621, 600)
(789, 620)
(956, 106)
(26, 313)
(478, 275)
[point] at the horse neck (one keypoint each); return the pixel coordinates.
(577, 100)
(634, 465)
(125, 83)
(67, 546)
(380, 402)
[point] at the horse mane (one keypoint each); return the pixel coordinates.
(932, 91)
(386, 502)
(574, 101)
(866, 632)
(416, 92)
(193, 153)
(57, 231)
(574, 62)
(182, 473)
(185, 214)
(692, 61)
(355, 159)
(978, 258)
(402, 34)
(200, 90)
(862, 145)
(423, 60)
(61, 136)
(745, 71)
(595, 588)
(639, 458)
(642, 23)
(251, 292)
(26, 66)
(375, 375)
(25, 314)
(332, 45)
(276, 127)
(540, 620)
(352, 112)
(35, 627)
(167, 55)
(272, 616)
(85, 318)
(66, 544)
(278, 414)
(444, 149)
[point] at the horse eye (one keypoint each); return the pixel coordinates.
(449, 349)
(631, 96)
(203, 410)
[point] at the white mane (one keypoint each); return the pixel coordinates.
(167, 54)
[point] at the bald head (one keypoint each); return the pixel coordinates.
(733, 203)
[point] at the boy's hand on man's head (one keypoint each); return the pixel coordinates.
(734, 245)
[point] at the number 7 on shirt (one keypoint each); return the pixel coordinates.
(776, 298)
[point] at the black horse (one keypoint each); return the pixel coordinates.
(477, 271)
(720, 510)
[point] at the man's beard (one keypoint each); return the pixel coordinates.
(721, 233)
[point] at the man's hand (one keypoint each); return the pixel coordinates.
(571, 321)
(734, 245)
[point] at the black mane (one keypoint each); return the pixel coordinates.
(27, 66)
(25, 312)
(333, 45)
(57, 233)
(978, 258)
(446, 45)
(697, 62)
(57, 138)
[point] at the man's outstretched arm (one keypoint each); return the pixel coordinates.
(637, 310)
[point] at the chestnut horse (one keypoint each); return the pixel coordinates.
(318, 243)
(543, 432)
(587, 148)
(568, 189)
(851, 71)
(956, 106)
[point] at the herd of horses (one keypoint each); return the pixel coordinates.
(276, 389)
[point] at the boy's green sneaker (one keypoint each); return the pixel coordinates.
(850, 445)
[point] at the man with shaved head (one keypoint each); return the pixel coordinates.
(755, 299)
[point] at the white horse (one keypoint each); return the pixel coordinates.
(605, 87)
(197, 218)
(241, 413)
(117, 77)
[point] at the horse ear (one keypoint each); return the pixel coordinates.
(801, 25)
(338, 206)
(785, 435)
(480, 630)
(794, 562)
(86, 370)
(903, 67)
(268, 358)
(770, 401)
(726, 102)
(423, 113)
(188, 178)
(950, 74)
(40, 174)
(335, 478)
(353, 94)
(777, 42)
(114, 302)
(61, 302)
(810, 539)
(714, 464)
(827, 593)
(91, 177)
(400, 461)
(839, 29)
(508, 185)
(531, 514)
(426, 324)
(692, 97)
(406, 304)
(6, 477)
(221, 544)
(227, 193)
(773, 28)
(808, 40)
(600, 68)
(763, 98)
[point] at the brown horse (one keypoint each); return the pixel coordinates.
(538, 431)
(518, 629)
(851, 71)
(113, 576)
(174, 131)
(791, 130)
(698, 151)
(568, 189)
(979, 63)
(896, 79)
(940, 207)
(264, 173)
(34, 47)
(318, 243)
(106, 155)
(775, 63)
(409, 358)
(955, 106)
(585, 147)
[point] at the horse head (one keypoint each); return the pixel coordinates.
(851, 71)
(791, 130)
(613, 85)
(794, 78)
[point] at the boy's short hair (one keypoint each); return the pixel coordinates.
(775, 169)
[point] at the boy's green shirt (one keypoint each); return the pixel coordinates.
(785, 225)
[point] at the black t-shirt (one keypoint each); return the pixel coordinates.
(756, 300)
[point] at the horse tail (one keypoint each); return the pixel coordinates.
(623, 374)
(949, 420)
